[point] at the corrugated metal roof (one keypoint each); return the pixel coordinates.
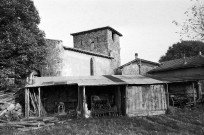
(94, 80)
(188, 62)
(174, 78)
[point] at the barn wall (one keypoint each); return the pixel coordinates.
(78, 64)
(145, 100)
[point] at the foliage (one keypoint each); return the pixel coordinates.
(22, 42)
(187, 48)
(193, 26)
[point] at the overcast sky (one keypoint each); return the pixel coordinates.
(146, 25)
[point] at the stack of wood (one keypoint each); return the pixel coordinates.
(7, 97)
(35, 105)
(10, 111)
(31, 123)
(103, 108)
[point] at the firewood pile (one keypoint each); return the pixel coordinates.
(101, 108)
(31, 123)
(35, 104)
(7, 97)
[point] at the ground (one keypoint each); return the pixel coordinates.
(187, 121)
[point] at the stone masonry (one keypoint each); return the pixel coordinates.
(103, 40)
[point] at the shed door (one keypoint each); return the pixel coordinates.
(145, 100)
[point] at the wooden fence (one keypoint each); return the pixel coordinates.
(145, 100)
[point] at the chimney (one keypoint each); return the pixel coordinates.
(136, 55)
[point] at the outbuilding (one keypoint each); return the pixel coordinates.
(96, 95)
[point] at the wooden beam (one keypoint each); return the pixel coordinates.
(199, 90)
(39, 102)
(27, 103)
(118, 99)
(84, 100)
(167, 96)
(194, 98)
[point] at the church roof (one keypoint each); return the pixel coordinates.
(87, 52)
(97, 29)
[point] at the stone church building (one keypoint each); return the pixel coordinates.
(94, 52)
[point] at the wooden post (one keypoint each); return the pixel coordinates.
(194, 98)
(199, 90)
(80, 101)
(118, 99)
(27, 103)
(84, 101)
(39, 102)
(167, 96)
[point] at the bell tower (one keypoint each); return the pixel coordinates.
(104, 40)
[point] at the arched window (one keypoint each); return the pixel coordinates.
(92, 66)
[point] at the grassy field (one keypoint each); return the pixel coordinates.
(179, 121)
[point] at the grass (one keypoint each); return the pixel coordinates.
(181, 122)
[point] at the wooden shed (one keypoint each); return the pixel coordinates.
(99, 95)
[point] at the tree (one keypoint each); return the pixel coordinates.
(187, 48)
(22, 43)
(193, 26)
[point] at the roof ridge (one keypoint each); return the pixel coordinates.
(87, 52)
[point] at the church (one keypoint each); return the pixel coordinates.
(95, 52)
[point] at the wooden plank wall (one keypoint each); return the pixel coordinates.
(145, 100)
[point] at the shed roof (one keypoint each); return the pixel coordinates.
(173, 78)
(97, 29)
(188, 62)
(94, 80)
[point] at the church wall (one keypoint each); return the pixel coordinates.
(79, 64)
(114, 48)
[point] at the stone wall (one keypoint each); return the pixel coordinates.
(54, 58)
(102, 41)
(95, 41)
(114, 48)
(133, 69)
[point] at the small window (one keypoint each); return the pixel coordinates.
(92, 46)
(81, 42)
(92, 66)
(113, 37)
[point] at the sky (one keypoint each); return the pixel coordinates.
(146, 25)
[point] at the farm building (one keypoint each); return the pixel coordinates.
(98, 95)
(186, 76)
(83, 78)
(137, 66)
